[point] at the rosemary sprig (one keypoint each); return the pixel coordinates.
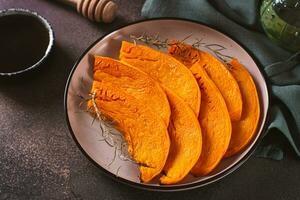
(109, 135)
(151, 40)
(199, 43)
(118, 170)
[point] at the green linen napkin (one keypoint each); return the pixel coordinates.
(240, 20)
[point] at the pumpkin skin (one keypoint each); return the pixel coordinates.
(134, 82)
(146, 134)
(165, 69)
(215, 123)
(217, 72)
(186, 140)
(244, 130)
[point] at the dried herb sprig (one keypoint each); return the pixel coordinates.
(199, 43)
(151, 40)
(156, 40)
(109, 134)
(215, 48)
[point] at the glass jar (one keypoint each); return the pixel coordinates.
(281, 21)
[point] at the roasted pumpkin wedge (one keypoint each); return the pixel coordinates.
(244, 130)
(165, 69)
(134, 82)
(146, 134)
(186, 140)
(214, 121)
(217, 72)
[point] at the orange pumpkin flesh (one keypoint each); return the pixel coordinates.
(126, 93)
(244, 130)
(217, 72)
(145, 133)
(135, 83)
(215, 123)
(186, 140)
(165, 69)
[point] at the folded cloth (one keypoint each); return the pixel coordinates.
(240, 20)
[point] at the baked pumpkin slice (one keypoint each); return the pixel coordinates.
(134, 82)
(165, 69)
(186, 140)
(244, 130)
(145, 133)
(217, 72)
(214, 121)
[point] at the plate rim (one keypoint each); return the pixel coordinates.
(159, 187)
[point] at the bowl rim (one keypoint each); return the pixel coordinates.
(45, 23)
(174, 187)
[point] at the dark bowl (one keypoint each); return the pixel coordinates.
(45, 24)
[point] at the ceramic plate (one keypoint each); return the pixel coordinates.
(107, 154)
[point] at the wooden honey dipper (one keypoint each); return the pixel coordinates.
(95, 10)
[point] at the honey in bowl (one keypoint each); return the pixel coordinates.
(24, 40)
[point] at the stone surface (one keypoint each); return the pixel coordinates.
(39, 159)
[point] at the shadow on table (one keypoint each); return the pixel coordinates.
(44, 85)
(89, 183)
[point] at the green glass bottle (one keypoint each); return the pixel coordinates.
(281, 21)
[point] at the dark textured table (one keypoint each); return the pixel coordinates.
(39, 159)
